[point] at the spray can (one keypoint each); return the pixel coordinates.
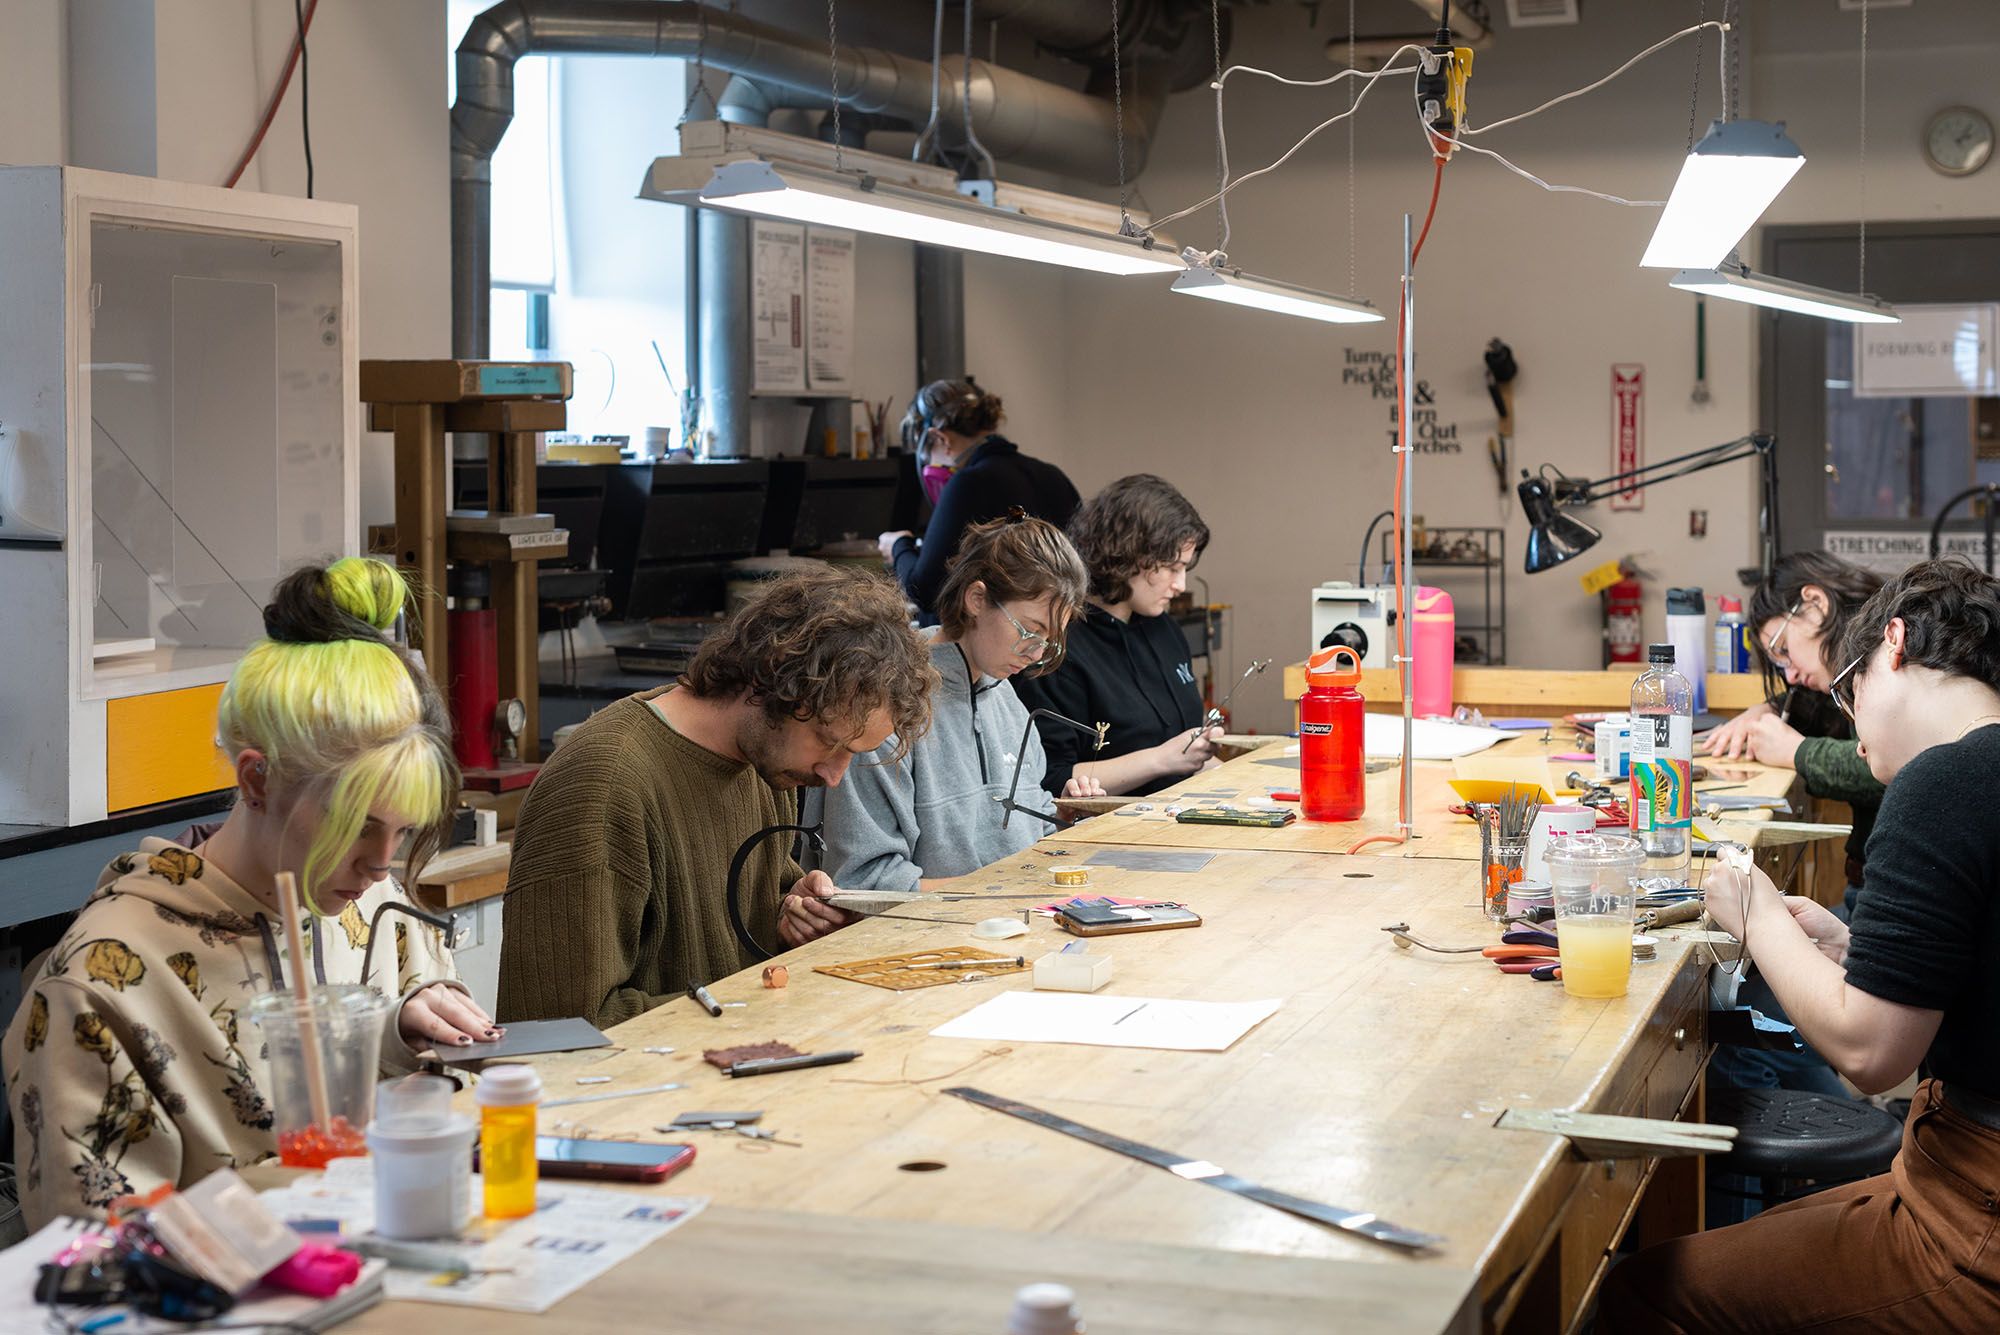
(1662, 801)
(1687, 631)
(1332, 777)
(1732, 638)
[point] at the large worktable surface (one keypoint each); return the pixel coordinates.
(1374, 1087)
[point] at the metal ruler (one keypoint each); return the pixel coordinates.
(1200, 1170)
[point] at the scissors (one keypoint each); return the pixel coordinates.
(1214, 715)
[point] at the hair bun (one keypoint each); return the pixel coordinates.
(357, 598)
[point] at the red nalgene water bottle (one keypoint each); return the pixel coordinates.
(1331, 775)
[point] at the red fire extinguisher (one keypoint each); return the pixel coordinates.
(1623, 642)
(1332, 777)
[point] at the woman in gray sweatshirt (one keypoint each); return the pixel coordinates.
(897, 823)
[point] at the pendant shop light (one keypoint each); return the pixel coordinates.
(1734, 280)
(1725, 185)
(861, 201)
(1203, 279)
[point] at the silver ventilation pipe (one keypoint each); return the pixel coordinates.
(1020, 118)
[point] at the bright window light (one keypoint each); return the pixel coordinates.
(1725, 185)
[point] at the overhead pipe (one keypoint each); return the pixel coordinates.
(1020, 118)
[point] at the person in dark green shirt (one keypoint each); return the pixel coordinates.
(1796, 615)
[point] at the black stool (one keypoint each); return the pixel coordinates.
(1786, 1138)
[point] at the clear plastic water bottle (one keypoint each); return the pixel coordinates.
(1662, 799)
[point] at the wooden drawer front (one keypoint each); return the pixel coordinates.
(158, 748)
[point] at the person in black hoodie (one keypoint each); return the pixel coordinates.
(1127, 662)
(970, 474)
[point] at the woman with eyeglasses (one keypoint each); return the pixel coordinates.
(970, 474)
(1128, 663)
(934, 810)
(1911, 981)
(1796, 617)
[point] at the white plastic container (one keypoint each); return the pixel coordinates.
(423, 1159)
(1045, 1309)
(1064, 971)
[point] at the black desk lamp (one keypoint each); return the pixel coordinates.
(1989, 490)
(1554, 536)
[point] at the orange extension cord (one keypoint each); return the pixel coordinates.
(1403, 441)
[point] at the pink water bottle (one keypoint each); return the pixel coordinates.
(1433, 639)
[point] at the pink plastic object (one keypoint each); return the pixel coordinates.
(1432, 636)
(317, 1271)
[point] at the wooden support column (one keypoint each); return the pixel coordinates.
(420, 506)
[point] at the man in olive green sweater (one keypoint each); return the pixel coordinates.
(615, 896)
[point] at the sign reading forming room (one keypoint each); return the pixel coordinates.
(1935, 350)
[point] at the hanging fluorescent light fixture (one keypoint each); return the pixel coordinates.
(781, 176)
(1733, 280)
(1221, 283)
(1725, 185)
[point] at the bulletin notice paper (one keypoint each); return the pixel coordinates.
(829, 309)
(778, 306)
(576, 1234)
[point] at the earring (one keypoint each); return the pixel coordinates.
(255, 804)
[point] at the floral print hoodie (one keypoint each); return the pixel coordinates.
(127, 1064)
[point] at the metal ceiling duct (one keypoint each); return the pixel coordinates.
(1020, 118)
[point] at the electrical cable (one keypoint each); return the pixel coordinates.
(971, 136)
(305, 95)
(926, 144)
(833, 85)
(277, 96)
(1361, 571)
(1660, 45)
(1118, 113)
(1529, 176)
(1293, 150)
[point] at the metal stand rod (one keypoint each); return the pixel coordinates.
(1406, 436)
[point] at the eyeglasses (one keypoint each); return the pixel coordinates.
(1774, 648)
(1030, 641)
(1844, 696)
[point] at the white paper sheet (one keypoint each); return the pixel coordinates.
(575, 1234)
(1110, 1022)
(1429, 738)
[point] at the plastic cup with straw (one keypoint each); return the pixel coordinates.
(324, 1044)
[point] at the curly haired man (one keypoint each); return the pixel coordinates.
(615, 897)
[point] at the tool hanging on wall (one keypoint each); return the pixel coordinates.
(1700, 395)
(1500, 372)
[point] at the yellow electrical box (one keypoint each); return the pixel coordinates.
(158, 748)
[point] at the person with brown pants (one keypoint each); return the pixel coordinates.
(1910, 981)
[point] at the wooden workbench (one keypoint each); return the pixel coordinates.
(1440, 834)
(1499, 692)
(1374, 1087)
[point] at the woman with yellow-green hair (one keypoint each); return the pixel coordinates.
(129, 1063)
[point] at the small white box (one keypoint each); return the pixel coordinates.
(1073, 972)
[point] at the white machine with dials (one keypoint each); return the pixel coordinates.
(1362, 617)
